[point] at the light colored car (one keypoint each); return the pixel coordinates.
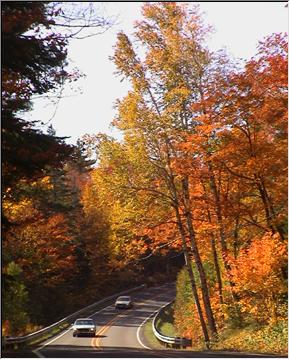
(84, 326)
(124, 302)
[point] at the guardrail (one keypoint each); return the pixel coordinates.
(15, 341)
(175, 342)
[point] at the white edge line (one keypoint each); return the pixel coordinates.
(139, 328)
(38, 354)
(49, 342)
(37, 351)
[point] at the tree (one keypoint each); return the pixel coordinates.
(184, 114)
(15, 301)
(238, 149)
(255, 122)
(158, 111)
(259, 280)
(35, 36)
(40, 171)
(33, 62)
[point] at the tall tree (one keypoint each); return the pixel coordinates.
(33, 62)
(255, 126)
(41, 173)
(159, 109)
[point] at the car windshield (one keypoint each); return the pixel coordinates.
(124, 298)
(84, 322)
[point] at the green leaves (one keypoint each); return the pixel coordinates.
(15, 300)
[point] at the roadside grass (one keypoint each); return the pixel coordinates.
(165, 320)
(267, 339)
(271, 339)
(150, 337)
(164, 324)
(55, 331)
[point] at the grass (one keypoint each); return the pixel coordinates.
(50, 334)
(266, 339)
(164, 324)
(165, 320)
(251, 339)
(150, 337)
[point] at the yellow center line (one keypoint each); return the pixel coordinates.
(95, 343)
(96, 340)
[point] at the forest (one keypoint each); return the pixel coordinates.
(195, 192)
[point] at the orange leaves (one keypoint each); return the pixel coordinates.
(255, 264)
(213, 151)
(43, 245)
(163, 233)
(257, 274)
(5, 328)
(138, 246)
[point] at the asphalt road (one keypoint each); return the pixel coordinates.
(119, 333)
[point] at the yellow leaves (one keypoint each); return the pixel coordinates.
(178, 94)
(133, 113)
(43, 183)
(268, 339)
(46, 181)
(19, 211)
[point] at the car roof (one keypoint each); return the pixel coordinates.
(124, 297)
(84, 319)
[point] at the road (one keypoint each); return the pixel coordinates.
(119, 333)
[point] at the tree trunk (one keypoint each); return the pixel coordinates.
(217, 269)
(191, 277)
(268, 207)
(215, 255)
(182, 231)
(202, 275)
(236, 237)
(218, 212)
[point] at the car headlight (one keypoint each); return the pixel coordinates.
(92, 329)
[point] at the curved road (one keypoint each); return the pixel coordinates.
(119, 333)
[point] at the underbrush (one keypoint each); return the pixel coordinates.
(266, 339)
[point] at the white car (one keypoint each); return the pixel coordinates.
(124, 302)
(85, 326)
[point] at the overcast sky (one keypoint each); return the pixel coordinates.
(89, 108)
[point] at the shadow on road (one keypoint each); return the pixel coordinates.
(90, 336)
(75, 351)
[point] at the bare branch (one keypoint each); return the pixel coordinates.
(75, 18)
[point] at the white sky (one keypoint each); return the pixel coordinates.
(238, 27)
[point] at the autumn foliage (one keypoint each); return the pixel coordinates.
(199, 180)
(209, 139)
